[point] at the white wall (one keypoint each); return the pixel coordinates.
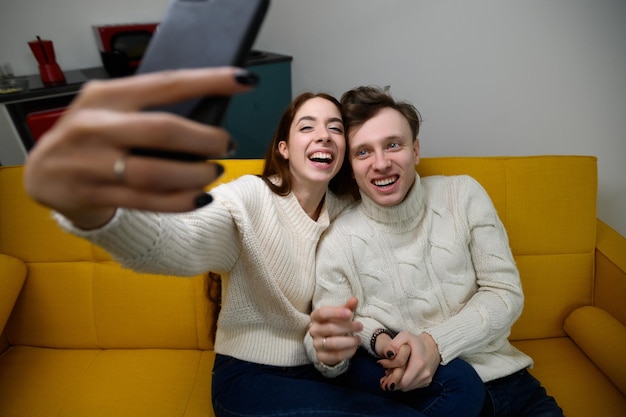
(489, 77)
(68, 24)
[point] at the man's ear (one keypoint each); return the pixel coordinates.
(416, 151)
(283, 149)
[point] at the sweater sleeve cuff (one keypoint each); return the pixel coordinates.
(69, 227)
(453, 340)
(332, 371)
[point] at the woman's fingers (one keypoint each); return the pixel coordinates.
(391, 379)
(163, 176)
(111, 130)
(175, 201)
(332, 329)
(127, 131)
(91, 154)
(87, 161)
(399, 360)
(159, 88)
(335, 313)
(333, 349)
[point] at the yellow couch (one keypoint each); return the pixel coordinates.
(83, 337)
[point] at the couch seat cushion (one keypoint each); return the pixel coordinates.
(38, 382)
(572, 378)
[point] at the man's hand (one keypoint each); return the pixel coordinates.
(332, 331)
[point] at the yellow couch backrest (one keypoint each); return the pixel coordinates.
(548, 206)
(75, 296)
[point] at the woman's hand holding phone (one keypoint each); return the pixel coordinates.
(83, 167)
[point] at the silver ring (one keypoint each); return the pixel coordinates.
(119, 168)
(324, 344)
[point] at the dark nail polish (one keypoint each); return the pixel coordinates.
(392, 386)
(246, 77)
(389, 354)
(219, 170)
(232, 148)
(202, 200)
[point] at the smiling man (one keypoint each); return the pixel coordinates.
(429, 261)
(383, 155)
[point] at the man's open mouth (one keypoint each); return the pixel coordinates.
(386, 182)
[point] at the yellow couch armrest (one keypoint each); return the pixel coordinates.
(610, 271)
(602, 338)
(12, 277)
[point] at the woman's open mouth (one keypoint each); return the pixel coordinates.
(321, 157)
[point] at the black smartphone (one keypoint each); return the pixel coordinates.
(198, 34)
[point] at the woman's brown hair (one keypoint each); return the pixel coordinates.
(277, 166)
(213, 287)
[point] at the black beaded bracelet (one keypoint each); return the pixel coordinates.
(377, 333)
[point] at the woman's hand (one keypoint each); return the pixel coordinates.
(83, 166)
(332, 331)
(395, 368)
(411, 363)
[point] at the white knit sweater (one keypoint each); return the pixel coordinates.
(264, 243)
(439, 262)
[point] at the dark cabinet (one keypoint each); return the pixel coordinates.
(252, 117)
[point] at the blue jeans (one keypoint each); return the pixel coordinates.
(456, 388)
(243, 388)
(519, 395)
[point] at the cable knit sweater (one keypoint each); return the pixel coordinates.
(439, 262)
(264, 243)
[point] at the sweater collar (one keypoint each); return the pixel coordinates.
(402, 217)
(301, 220)
(299, 217)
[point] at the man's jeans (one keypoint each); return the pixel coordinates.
(519, 395)
(456, 388)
